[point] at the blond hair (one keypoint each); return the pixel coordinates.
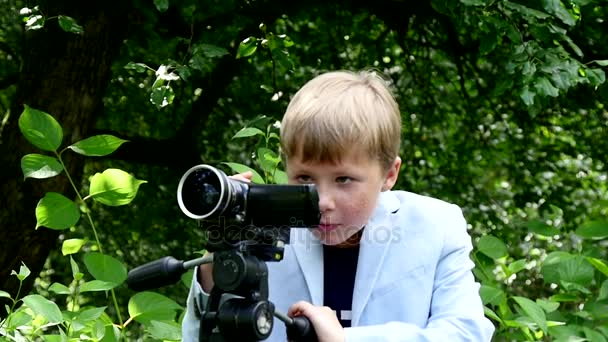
(338, 111)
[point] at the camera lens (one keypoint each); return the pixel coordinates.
(200, 192)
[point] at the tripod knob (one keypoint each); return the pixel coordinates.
(301, 330)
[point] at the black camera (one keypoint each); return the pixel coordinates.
(232, 211)
(246, 225)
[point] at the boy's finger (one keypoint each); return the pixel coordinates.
(245, 176)
(299, 308)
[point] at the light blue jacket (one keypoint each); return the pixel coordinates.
(413, 280)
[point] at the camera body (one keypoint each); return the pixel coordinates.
(232, 212)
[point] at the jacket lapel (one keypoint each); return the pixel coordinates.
(374, 245)
(309, 253)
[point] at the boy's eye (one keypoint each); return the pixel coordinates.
(343, 179)
(304, 179)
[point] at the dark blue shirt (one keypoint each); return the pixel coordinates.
(339, 269)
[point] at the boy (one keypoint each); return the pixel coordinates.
(382, 265)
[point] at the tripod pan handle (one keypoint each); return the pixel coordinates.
(301, 330)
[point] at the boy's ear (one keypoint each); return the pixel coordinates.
(391, 175)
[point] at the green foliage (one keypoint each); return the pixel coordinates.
(503, 105)
(35, 20)
(36, 317)
(267, 155)
(575, 305)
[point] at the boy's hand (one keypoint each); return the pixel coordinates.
(323, 319)
(205, 272)
(245, 176)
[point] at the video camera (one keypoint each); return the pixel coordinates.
(245, 226)
(231, 211)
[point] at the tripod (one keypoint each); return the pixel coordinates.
(238, 308)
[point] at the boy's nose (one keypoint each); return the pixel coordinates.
(326, 202)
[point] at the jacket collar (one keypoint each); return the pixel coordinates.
(309, 254)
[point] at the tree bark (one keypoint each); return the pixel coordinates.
(65, 75)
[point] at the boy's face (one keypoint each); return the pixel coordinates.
(348, 192)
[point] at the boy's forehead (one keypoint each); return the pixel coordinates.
(352, 156)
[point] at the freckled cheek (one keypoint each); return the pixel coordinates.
(358, 212)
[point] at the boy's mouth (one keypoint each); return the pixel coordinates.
(327, 227)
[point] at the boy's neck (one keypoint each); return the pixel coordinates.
(352, 241)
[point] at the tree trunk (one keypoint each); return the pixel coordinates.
(65, 75)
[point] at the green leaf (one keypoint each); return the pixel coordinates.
(72, 246)
(564, 297)
(248, 132)
(287, 42)
(161, 5)
(547, 305)
(527, 96)
(533, 310)
(492, 247)
(43, 307)
(541, 228)
(211, 51)
(240, 168)
(162, 96)
(24, 272)
(55, 211)
(59, 289)
(259, 121)
(247, 47)
(282, 57)
(40, 166)
(577, 50)
(184, 72)
(593, 336)
(491, 295)
(593, 229)
(106, 268)
(599, 265)
(114, 187)
(68, 24)
(526, 11)
(138, 67)
(556, 8)
(268, 159)
(603, 294)
(18, 319)
(98, 145)
(491, 314)
(90, 314)
(543, 86)
(40, 129)
(75, 269)
(561, 267)
(97, 285)
(168, 330)
(596, 76)
(149, 306)
(473, 2)
(517, 266)
(581, 3)
(601, 62)
(280, 177)
(4, 294)
(112, 334)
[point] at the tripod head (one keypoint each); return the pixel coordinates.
(246, 314)
(253, 226)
